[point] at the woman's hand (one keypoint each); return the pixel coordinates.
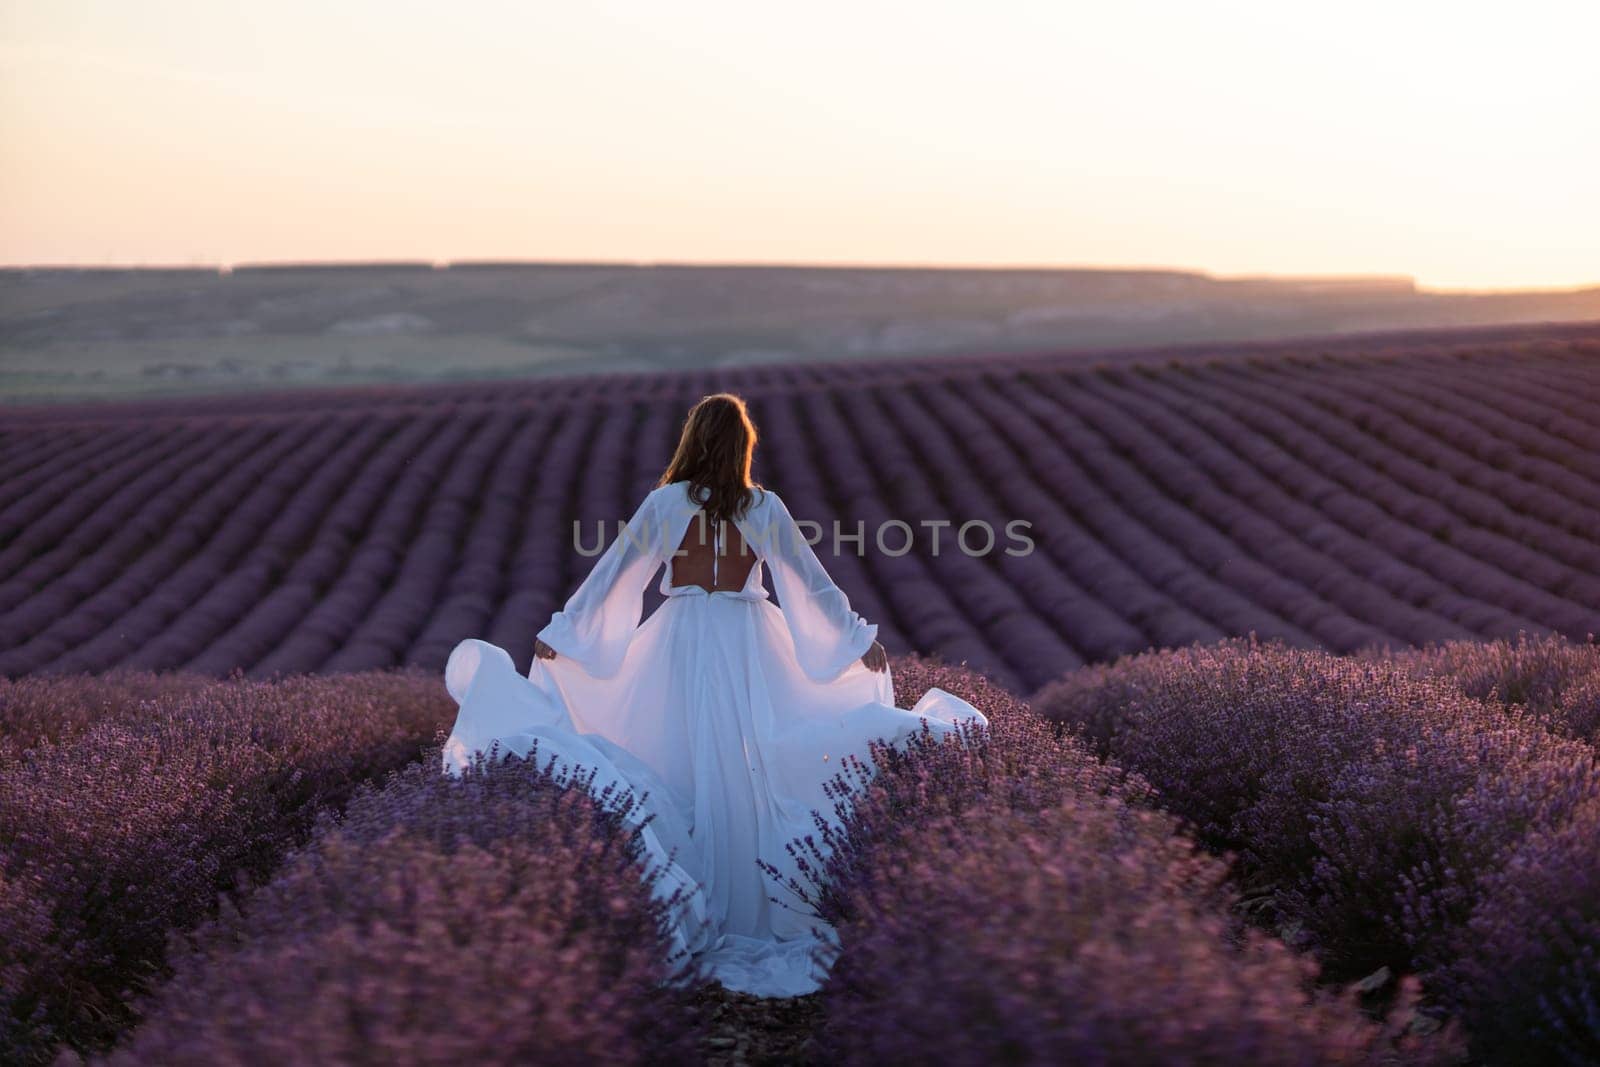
(875, 658)
(542, 650)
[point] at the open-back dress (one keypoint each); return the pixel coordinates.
(727, 713)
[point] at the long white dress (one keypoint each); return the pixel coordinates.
(727, 713)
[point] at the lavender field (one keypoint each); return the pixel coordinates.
(1369, 833)
(1338, 496)
(1230, 853)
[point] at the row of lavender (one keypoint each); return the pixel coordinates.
(1432, 811)
(1014, 899)
(129, 802)
(1333, 502)
(1011, 897)
(502, 918)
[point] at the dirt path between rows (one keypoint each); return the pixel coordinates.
(744, 1029)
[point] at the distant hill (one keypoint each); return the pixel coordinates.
(89, 332)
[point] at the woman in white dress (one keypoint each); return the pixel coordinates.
(725, 712)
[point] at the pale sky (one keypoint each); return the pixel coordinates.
(1451, 140)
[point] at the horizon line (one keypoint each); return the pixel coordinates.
(823, 265)
(780, 264)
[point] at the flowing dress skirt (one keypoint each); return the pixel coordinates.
(712, 721)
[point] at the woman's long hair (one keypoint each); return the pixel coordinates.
(713, 456)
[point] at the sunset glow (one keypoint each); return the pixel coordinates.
(1457, 143)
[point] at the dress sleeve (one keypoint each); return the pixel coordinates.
(828, 634)
(598, 621)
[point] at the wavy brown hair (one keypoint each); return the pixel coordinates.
(713, 455)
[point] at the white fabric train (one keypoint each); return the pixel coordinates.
(726, 712)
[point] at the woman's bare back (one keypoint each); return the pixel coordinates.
(713, 555)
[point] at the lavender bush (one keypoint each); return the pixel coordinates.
(1527, 966)
(1018, 761)
(1084, 933)
(1555, 680)
(128, 826)
(500, 918)
(1003, 896)
(38, 708)
(1374, 801)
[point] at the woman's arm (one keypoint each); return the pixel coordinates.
(599, 619)
(828, 634)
